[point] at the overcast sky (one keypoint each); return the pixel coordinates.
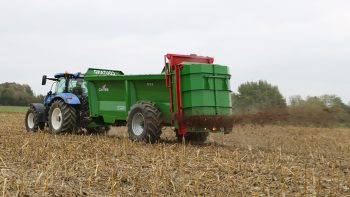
(303, 46)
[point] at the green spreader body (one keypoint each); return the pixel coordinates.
(189, 86)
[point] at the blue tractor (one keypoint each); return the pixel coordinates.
(64, 110)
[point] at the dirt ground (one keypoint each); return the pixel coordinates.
(251, 161)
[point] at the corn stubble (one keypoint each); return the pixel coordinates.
(251, 161)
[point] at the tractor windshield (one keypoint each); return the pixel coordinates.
(75, 86)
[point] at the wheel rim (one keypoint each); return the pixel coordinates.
(30, 120)
(137, 124)
(56, 118)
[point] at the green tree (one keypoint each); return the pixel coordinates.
(331, 101)
(257, 96)
(39, 98)
(296, 100)
(15, 94)
(326, 110)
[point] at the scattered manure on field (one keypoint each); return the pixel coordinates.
(210, 121)
(251, 161)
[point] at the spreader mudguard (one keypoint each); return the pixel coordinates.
(40, 110)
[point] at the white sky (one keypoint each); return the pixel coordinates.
(302, 46)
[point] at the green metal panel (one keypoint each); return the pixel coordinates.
(112, 94)
(205, 89)
(93, 102)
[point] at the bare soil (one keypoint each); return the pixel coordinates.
(252, 160)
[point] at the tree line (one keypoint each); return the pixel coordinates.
(14, 94)
(326, 110)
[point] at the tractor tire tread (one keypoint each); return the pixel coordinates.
(69, 116)
(37, 125)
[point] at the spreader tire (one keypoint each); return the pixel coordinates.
(31, 121)
(62, 117)
(144, 122)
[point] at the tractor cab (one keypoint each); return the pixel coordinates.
(71, 83)
(67, 86)
(68, 83)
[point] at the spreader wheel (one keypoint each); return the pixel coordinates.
(144, 122)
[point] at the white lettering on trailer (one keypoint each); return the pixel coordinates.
(103, 89)
(105, 72)
(121, 108)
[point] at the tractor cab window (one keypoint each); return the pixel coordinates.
(77, 87)
(61, 85)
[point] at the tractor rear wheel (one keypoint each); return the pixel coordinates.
(31, 121)
(145, 122)
(62, 117)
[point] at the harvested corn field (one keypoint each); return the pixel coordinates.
(252, 160)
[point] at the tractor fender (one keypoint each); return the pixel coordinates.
(40, 110)
(69, 98)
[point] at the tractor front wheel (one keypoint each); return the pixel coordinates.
(144, 122)
(62, 117)
(31, 121)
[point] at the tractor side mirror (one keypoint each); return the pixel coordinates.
(43, 81)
